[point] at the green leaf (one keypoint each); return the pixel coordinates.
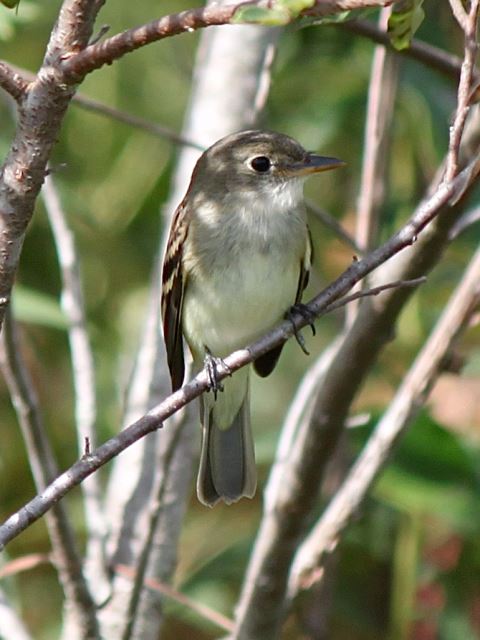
(37, 307)
(10, 3)
(404, 21)
(295, 7)
(279, 13)
(277, 16)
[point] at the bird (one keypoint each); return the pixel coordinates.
(237, 260)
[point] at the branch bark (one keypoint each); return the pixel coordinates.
(76, 67)
(12, 82)
(373, 183)
(40, 114)
(307, 568)
(84, 385)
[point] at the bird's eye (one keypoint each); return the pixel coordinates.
(261, 164)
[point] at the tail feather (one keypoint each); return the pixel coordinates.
(227, 460)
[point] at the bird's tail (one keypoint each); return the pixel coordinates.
(227, 460)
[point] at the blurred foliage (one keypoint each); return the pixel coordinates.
(407, 566)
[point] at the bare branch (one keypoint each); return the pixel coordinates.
(80, 609)
(464, 91)
(166, 590)
(12, 82)
(459, 12)
(132, 120)
(411, 396)
(76, 67)
(375, 291)
(154, 419)
(465, 222)
(83, 371)
(381, 101)
(332, 223)
(95, 106)
(24, 563)
(432, 57)
(265, 79)
(380, 107)
(40, 116)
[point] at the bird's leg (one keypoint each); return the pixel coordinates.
(211, 364)
(304, 311)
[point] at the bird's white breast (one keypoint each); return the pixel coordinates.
(247, 276)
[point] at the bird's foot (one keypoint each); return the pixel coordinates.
(305, 312)
(211, 365)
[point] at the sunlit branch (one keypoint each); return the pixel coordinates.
(154, 419)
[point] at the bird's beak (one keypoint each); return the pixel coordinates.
(314, 164)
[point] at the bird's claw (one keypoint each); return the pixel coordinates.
(211, 365)
(304, 311)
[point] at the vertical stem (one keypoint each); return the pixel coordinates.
(73, 305)
(80, 610)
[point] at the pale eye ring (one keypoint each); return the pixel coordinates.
(260, 164)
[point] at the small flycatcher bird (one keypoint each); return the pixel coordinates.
(237, 259)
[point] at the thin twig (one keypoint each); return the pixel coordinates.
(466, 221)
(12, 82)
(380, 107)
(373, 182)
(166, 590)
(332, 223)
(95, 106)
(83, 370)
(432, 57)
(153, 128)
(374, 291)
(66, 556)
(24, 563)
(154, 419)
(464, 91)
(411, 396)
(264, 80)
(459, 13)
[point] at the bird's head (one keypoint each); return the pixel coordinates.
(257, 162)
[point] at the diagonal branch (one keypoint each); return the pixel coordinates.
(76, 67)
(411, 396)
(154, 419)
(95, 106)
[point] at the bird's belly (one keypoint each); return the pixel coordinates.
(236, 305)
